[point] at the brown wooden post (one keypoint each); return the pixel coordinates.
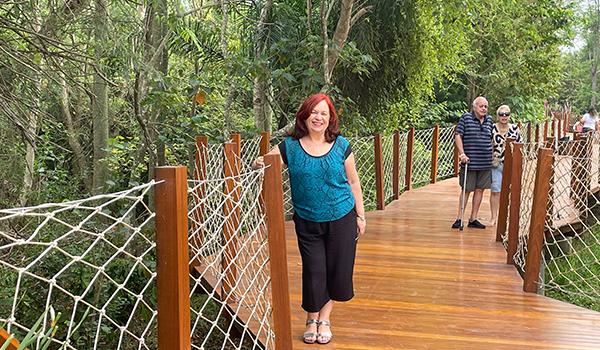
(515, 202)
(379, 186)
(231, 212)
(537, 133)
(435, 141)
(504, 192)
(538, 220)
(455, 159)
(265, 143)
(273, 194)
(410, 144)
(545, 130)
(199, 193)
(396, 166)
(172, 259)
(529, 139)
(14, 343)
(237, 138)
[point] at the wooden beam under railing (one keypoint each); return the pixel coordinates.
(535, 242)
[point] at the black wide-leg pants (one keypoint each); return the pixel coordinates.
(328, 250)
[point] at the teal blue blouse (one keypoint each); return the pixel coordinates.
(320, 188)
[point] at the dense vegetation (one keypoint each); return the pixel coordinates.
(95, 94)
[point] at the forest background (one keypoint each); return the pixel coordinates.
(94, 94)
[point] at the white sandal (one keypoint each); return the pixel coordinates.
(306, 335)
(324, 334)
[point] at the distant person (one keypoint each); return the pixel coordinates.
(329, 215)
(473, 138)
(590, 120)
(500, 132)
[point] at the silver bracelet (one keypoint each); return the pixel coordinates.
(362, 217)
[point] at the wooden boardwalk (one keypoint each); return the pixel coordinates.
(421, 285)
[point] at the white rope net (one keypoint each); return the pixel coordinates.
(230, 293)
(421, 174)
(445, 161)
(364, 156)
(529, 152)
(387, 145)
(571, 254)
(93, 260)
(402, 161)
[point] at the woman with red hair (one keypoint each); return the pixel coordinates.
(328, 210)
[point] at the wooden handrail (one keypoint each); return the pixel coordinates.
(410, 145)
(504, 191)
(515, 202)
(265, 143)
(435, 141)
(172, 259)
(538, 221)
(379, 185)
(231, 212)
(396, 166)
(273, 194)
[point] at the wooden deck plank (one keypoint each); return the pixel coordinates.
(421, 285)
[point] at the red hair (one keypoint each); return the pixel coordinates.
(304, 112)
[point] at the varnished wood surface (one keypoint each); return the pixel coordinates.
(421, 285)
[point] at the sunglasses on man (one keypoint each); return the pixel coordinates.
(504, 114)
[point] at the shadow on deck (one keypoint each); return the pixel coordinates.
(421, 285)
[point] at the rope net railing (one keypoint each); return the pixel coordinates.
(421, 174)
(403, 144)
(230, 289)
(529, 153)
(387, 145)
(445, 163)
(571, 253)
(92, 260)
(364, 157)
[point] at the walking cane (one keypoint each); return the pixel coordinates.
(462, 208)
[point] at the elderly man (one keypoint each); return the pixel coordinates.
(473, 140)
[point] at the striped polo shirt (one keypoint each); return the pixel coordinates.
(477, 140)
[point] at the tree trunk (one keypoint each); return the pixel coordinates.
(100, 99)
(79, 163)
(345, 22)
(231, 87)
(261, 92)
(156, 34)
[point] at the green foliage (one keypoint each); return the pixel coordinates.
(577, 274)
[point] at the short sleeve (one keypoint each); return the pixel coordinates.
(282, 151)
(347, 152)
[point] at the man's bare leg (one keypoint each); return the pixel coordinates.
(477, 197)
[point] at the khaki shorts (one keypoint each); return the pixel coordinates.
(476, 179)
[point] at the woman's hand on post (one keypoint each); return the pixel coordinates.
(258, 163)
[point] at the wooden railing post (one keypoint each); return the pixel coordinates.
(515, 202)
(14, 343)
(273, 194)
(199, 193)
(435, 141)
(410, 145)
(504, 191)
(265, 143)
(379, 186)
(172, 259)
(538, 220)
(396, 166)
(537, 133)
(456, 161)
(231, 212)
